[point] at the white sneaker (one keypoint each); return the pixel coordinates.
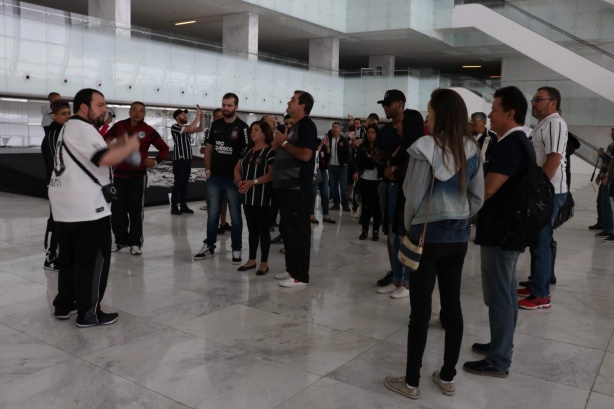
(236, 257)
(355, 215)
(387, 290)
(282, 276)
(117, 247)
(400, 292)
(291, 282)
(135, 250)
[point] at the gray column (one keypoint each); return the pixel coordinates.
(324, 55)
(382, 65)
(240, 34)
(117, 11)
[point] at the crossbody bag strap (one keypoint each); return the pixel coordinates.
(428, 210)
(83, 168)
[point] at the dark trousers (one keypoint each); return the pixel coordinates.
(444, 262)
(295, 226)
(181, 170)
(274, 208)
(257, 218)
(127, 209)
(84, 265)
(51, 239)
(370, 203)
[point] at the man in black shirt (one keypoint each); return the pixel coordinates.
(225, 145)
(505, 170)
(292, 179)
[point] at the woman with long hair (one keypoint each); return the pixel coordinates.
(253, 176)
(370, 174)
(448, 161)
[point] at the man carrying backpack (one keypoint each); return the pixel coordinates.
(550, 142)
(511, 158)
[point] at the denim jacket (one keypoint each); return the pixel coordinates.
(448, 201)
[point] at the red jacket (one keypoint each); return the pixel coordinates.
(147, 136)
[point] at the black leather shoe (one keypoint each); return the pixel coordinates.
(262, 272)
(386, 280)
(481, 349)
(596, 226)
(176, 211)
(553, 279)
(243, 268)
(186, 209)
(483, 368)
(525, 284)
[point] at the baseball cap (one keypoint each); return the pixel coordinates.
(392, 95)
(178, 112)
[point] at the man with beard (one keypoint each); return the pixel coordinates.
(227, 140)
(82, 214)
(130, 179)
(182, 157)
(393, 104)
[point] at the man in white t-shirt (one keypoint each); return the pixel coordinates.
(82, 166)
(550, 142)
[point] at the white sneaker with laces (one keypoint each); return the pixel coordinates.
(135, 250)
(117, 247)
(291, 282)
(387, 290)
(400, 292)
(282, 276)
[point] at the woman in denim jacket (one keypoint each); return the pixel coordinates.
(458, 193)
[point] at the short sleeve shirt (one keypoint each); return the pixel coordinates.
(183, 143)
(550, 136)
(255, 164)
(290, 172)
(229, 141)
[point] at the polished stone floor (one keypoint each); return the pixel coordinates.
(202, 335)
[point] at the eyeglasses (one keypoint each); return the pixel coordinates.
(538, 100)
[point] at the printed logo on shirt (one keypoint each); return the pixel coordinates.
(100, 210)
(141, 135)
(220, 147)
(234, 134)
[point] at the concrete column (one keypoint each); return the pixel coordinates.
(324, 55)
(117, 11)
(382, 65)
(240, 34)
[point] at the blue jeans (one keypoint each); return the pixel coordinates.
(541, 254)
(218, 189)
(501, 298)
(323, 187)
(605, 209)
(339, 181)
(400, 274)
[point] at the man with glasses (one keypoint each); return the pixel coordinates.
(550, 142)
(486, 138)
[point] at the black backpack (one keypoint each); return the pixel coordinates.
(529, 209)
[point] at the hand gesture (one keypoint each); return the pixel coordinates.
(245, 185)
(280, 138)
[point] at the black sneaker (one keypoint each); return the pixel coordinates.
(481, 349)
(226, 227)
(525, 284)
(51, 265)
(205, 251)
(277, 240)
(596, 226)
(609, 239)
(100, 318)
(221, 230)
(347, 209)
(187, 210)
(602, 235)
(63, 313)
(386, 280)
(483, 368)
(176, 212)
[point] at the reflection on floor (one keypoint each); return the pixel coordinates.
(202, 335)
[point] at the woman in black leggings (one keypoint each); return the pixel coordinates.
(370, 173)
(253, 175)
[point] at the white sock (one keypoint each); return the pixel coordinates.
(442, 381)
(410, 387)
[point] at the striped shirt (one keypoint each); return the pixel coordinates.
(550, 136)
(255, 164)
(182, 141)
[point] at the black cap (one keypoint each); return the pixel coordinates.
(178, 112)
(392, 95)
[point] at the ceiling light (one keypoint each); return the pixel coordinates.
(183, 23)
(472, 66)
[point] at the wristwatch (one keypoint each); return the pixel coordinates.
(284, 144)
(256, 181)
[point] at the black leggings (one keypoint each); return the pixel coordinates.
(258, 223)
(370, 204)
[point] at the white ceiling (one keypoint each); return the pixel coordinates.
(411, 49)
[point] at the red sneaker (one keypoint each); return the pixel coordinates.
(533, 303)
(524, 292)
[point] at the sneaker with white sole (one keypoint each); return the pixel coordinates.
(387, 289)
(291, 282)
(51, 265)
(205, 251)
(135, 250)
(117, 247)
(399, 385)
(400, 292)
(63, 313)
(282, 276)
(236, 257)
(98, 319)
(447, 388)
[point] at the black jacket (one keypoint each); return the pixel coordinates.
(344, 152)
(48, 146)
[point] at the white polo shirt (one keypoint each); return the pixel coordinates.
(550, 136)
(73, 195)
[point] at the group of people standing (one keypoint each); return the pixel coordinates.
(419, 180)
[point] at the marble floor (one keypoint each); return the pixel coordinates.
(199, 334)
